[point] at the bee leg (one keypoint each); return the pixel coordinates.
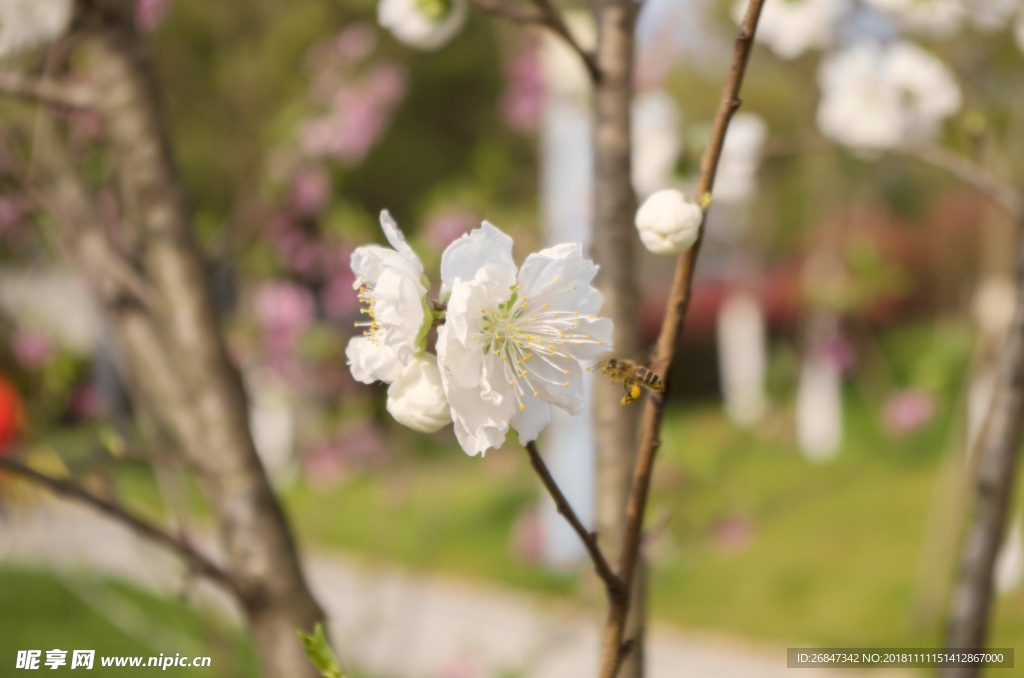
(632, 393)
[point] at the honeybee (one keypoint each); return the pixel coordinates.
(632, 376)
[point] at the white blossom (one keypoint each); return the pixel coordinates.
(416, 399)
(736, 179)
(25, 24)
(934, 17)
(742, 343)
(391, 284)
(876, 97)
(668, 223)
(513, 340)
(819, 408)
(655, 140)
(791, 27)
(423, 24)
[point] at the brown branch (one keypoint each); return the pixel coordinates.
(679, 299)
(197, 562)
(999, 454)
(966, 171)
(615, 586)
(548, 16)
(976, 176)
(44, 90)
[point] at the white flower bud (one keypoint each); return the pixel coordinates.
(416, 399)
(668, 223)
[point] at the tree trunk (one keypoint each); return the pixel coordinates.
(178, 357)
(999, 447)
(614, 234)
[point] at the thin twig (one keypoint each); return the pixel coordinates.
(966, 171)
(196, 561)
(613, 650)
(548, 16)
(44, 90)
(616, 587)
(1004, 195)
(514, 14)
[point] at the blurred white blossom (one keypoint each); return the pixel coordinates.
(935, 17)
(668, 223)
(423, 24)
(416, 399)
(876, 96)
(742, 342)
(791, 27)
(736, 179)
(513, 340)
(392, 285)
(25, 24)
(656, 141)
(819, 408)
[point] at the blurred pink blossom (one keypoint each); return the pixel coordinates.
(356, 42)
(528, 536)
(285, 310)
(907, 411)
(460, 667)
(32, 349)
(338, 296)
(444, 226)
(12, 210)
(837, 351)
(359, 114)
(311, 189)
(149, 14)
(85, 402)
(332, 462)
(523, 99)
(733, 535)
(300, 251)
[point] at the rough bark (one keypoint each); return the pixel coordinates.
(614, 235)
(999, 450)
(173, 342)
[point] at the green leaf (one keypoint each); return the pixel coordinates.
(320, 653)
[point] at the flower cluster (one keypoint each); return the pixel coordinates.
(878, 96)
(513, 342)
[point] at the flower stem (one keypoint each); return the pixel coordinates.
(615, 586)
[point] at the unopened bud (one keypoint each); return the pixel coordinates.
(668, 223)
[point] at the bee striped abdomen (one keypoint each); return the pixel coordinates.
(649, 379)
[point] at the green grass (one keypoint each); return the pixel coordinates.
(39, 611)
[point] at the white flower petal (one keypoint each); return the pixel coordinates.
(390, 283)
(416, 398)
(464, 257)
(398, 241)
(531, 419)
(512, 342)
(371, 361)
